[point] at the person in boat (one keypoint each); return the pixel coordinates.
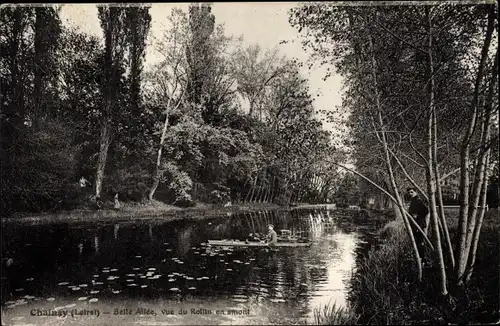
(272, 236)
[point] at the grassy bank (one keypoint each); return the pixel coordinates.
(385, 289)
(153, 209)
(160, 210)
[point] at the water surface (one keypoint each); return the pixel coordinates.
(160, 273)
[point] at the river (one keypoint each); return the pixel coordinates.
(152, 272)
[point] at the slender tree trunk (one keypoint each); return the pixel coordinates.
(157, 172)
(38, 70)
(482, 159)
(444, 223)
(272, 189)
(257, 195)
(477, 229)
(383, 139)
(460, 255)
(104, 142)
(432, 159)
(252, 189)
(482, 172)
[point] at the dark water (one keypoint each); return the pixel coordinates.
(164, 267)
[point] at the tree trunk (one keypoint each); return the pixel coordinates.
(383, 140)
(480, 177)
(482, 173)
(432, 159)
(444, 223)
(38, 64)
(477, 229)
(273, 185)
(157, 173)
(108, 88)
(460, 255)
(251, 192)
(104, 142)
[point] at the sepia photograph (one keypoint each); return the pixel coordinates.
(250, 163)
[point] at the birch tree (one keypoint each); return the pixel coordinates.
(167, 81)
(419, 83)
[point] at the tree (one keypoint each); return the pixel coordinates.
(399, 73)
(46, 40)
(255, 71)
(167, 82)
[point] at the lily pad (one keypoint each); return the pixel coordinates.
(93, 300)
(51, 299)
(82, 298)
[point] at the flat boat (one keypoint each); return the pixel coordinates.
(238, 243)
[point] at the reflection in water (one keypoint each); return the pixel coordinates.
(96, 244)
(281, 285)
(115, 231)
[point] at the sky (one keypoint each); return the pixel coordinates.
(263, 23)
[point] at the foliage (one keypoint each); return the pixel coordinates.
(330, 314)
(385, 290)
(191, 107)
(420, 103)
(347, 192)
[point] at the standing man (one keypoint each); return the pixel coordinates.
(420, 212)
(272, 237)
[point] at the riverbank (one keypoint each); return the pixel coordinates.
(160, 210)
(136, 211)
(385, 289)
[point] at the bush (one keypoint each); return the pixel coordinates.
(42, 164)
